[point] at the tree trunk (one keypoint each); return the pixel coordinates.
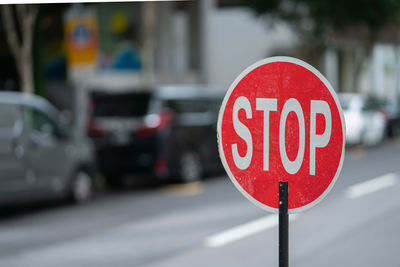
(21, 50)
(26, 73)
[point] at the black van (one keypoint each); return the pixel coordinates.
(164, 132)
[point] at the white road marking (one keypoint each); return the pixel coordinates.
(371, 186)
(244, 230)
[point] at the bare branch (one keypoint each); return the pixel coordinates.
(20, 9)
(27, 20)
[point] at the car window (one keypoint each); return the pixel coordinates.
(8, 118)
(372, 104)
(120, 105)
(191, 105)
(40, 122)
(195, 112)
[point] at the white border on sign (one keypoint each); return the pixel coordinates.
(221, 112)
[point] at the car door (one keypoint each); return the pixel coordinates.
(12, 171)
(374, 122)
(46, 152)
(195, 128)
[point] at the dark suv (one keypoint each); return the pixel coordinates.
(163, 132)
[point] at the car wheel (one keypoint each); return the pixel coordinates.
(114, 180)
(81, 188)
(191, 168)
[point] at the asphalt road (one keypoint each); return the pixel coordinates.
(211, 224)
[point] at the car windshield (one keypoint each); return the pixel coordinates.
(120, 105)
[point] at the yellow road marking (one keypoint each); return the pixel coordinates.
(357, 151)
(190, 189)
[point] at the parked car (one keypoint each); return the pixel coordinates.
(365, 119)
(391, 109)
(163, 132)
(39, 157)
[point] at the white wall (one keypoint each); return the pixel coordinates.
(331, 67)
(380, 73)
(235, 39)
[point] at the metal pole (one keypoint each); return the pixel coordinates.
(283, 225)
(149, 40)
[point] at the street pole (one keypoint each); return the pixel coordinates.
(149, 24)
(283, 225)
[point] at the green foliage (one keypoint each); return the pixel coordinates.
(342, 13)
(318, 16)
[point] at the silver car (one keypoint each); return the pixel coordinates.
(365, 119)
(40, 158)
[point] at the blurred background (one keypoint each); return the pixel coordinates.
(108, 150)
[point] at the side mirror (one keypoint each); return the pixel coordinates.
(65, 124)
(66, 117)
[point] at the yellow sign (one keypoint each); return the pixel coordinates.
(81, 35)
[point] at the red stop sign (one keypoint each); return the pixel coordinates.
(281, 121)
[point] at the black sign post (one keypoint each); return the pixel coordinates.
(283, 225)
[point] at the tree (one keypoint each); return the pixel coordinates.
(19, 22)
(321, 20)
(350, 26)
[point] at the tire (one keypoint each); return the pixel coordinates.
(190, 167)
(114, 180)
(81, 187)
